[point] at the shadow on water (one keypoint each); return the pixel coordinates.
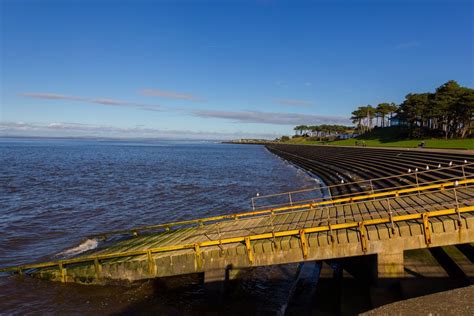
(339, 287)
(255, 291)
(333, 287)
(332, 294)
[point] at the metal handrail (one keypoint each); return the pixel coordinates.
(201, 221)
(469, 175)
(414, 194)
(370, 182)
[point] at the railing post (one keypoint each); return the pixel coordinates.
(272, 215)
(248, 246)
(197, 257)
(457, 208)
(151, 263)
(363, 236)
(372, 188)
(464, 174)
(303, 244)
(289, 197)
(253, 204)
(390, 215)
(62, 272)
(426, 229)
(416, 178)
(330, 227)
(220, 239)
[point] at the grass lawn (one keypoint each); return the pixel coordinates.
(410, 143)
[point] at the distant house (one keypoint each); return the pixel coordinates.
(397, 121)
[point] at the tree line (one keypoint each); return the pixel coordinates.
(364, 116)
(320, 130)
(448, 112)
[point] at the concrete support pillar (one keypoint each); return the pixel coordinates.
(390, 265)
(215, 289)
(389, 271)
(214, 280)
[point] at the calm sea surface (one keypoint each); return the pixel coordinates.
(53, 193)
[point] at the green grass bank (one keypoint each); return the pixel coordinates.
(390, 137)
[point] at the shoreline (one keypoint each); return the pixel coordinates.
(426, 149)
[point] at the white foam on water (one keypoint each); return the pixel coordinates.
(86, 245)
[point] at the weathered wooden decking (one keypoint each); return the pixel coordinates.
(377, 226)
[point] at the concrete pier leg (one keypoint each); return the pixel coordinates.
(389, 272)
(217, 280)
(214, 289)
(390, 265)
(214, 280)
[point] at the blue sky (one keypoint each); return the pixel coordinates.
(219, 69)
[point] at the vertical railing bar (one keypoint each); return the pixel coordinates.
(220, 239)
(272, 216)
(390, 214)
(463, 174)
(457, 208)
(330, 227)
(416, 178)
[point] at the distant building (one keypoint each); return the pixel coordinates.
(397, 121)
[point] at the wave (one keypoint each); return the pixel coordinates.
(86, 245)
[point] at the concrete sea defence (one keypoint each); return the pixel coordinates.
(347, 164)
(426, 270)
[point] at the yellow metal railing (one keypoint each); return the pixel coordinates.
(412, 178)
(387, 204)
(360, 226)
(322, 203)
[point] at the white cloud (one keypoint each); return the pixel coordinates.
(61, 129)
(276, 118)
(102, 101)
(293, 102)
(169, 94)
(272, 118)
